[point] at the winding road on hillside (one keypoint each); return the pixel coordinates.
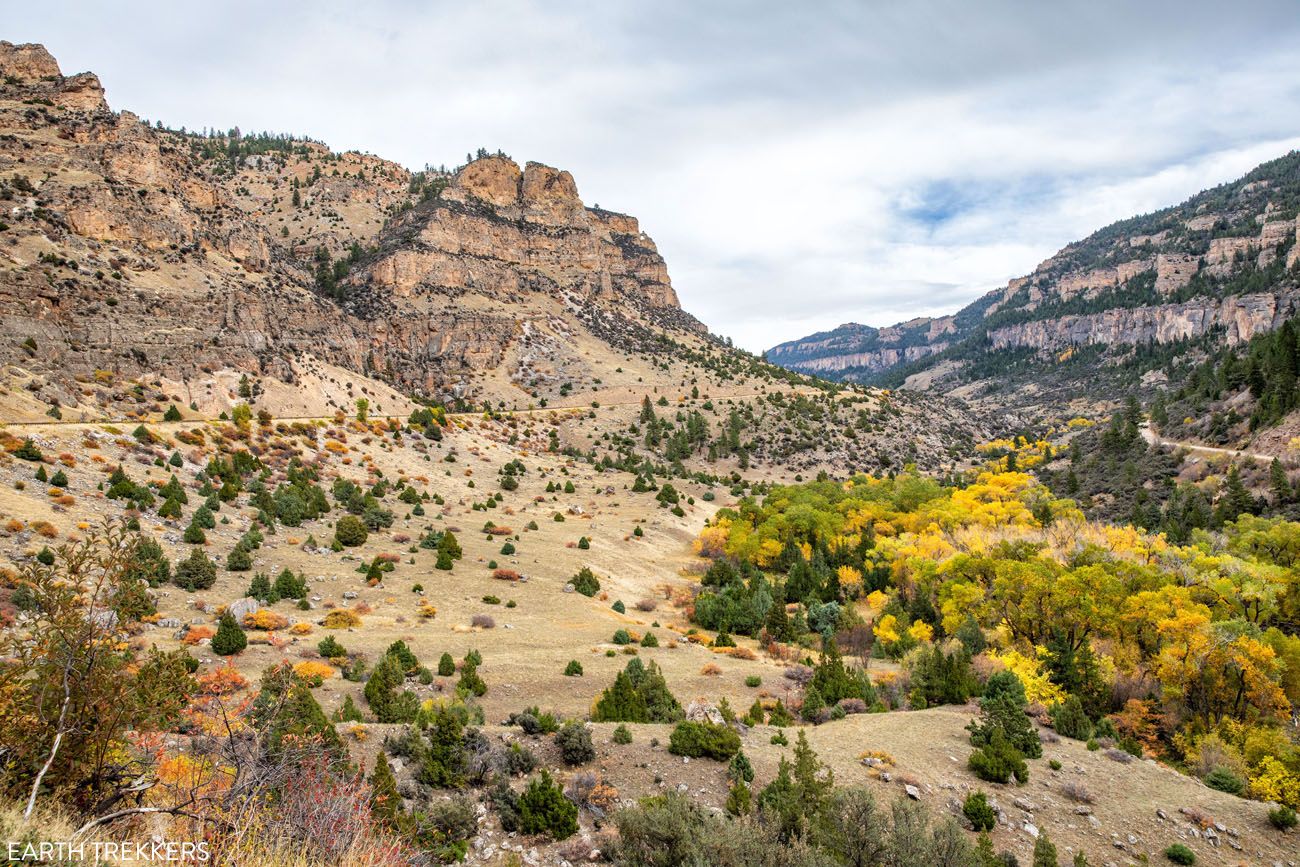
(1155, 439)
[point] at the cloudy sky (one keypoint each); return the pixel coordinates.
(800, 164)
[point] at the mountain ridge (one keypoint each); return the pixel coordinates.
(135, 248)
(1226, 257)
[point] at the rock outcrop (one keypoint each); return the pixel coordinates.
(136, 249)
(1221, 267)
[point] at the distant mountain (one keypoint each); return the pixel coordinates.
(1108, 311)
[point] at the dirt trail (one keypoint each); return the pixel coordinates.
(1156, 439)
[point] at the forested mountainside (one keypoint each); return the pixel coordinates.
(1215, 270)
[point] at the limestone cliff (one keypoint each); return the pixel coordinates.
(1217, 269)
(128, 247)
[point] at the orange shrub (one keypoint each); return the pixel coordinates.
(45, 528)
(221, 681)
(341, 619)
(195, 634)
(302, 628)
(314, 671)
(711, 669)
(505, 574)
(265, 619)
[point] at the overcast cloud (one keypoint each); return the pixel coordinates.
(800, 164)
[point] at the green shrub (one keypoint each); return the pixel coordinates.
(704, 740)
(1225, 780)
(753, 680)
(519, 760)
(621, 637)
(622, 735)
(1180, 854)
(329, 648)
(239, 560)
(573, 669)
(649, 640)
(543, 809)
(997, 761)
(350, 531)
(446, 665)
(977, 810)
(574, 741)
(195, 572)
(585, 582)
(1283, 818)
(1070, 720)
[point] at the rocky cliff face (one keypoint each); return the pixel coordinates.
(853, 350)
(1221, 267)
(131, 248)
(1240, 317)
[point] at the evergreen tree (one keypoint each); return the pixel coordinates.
(543, 809)
(195, 572)
(287, 711)
(1279, 484)
(445, 761)
(385, 693)
(739, 770)
(1044, 852)
(385, 802)
(1003, 714)
(230, 638)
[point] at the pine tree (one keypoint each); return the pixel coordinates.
(444, 763)
(739, 769)
(386, 695)
(1044, 852)
(621, 703)
(230, 639)
(287, 711)
(448, 545)
(739, 801)
(1280, 485)
(814, 779)
(385, 802)
(543, 809)
(813, 704)
(349, 712)
(777, 622)
(780, 715)
(470, 682)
